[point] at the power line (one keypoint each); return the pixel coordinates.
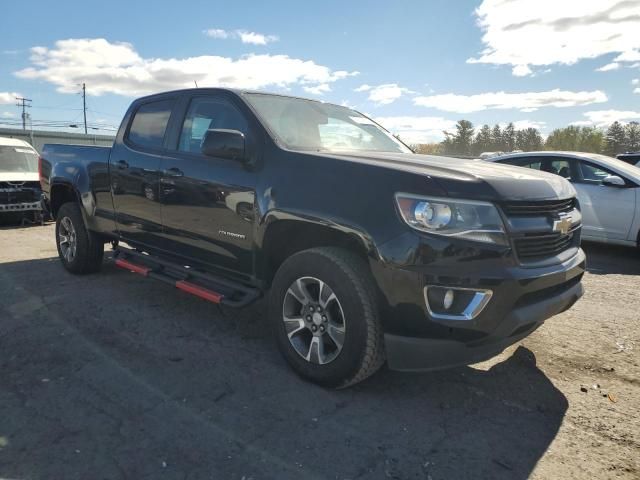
(24, 111)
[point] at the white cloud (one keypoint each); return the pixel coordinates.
(117, 68)
(7, 115)
(603, 118)
(526, 102)
(383, 94)
(530, 33)
(636, 90)
(628, 56)
(635, 81)
(417, 129)
(608, 67)
(216, 33)
(7, 98)
(244, 36)
(521, 71)
(256, 38)
(318, 89)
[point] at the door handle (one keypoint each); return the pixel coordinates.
(122, 164)
(173, 172)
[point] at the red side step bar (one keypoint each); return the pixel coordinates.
(183, 285)
(199, 291)
(122, 263)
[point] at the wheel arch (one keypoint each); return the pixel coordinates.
(284, 237)
(61, 193)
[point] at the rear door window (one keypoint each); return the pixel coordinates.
(149, 124)
(557, 166)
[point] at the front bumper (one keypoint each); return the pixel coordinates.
(421, 354)
(523, 298)
(21, 207)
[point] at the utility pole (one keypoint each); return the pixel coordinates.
(23, 103)
(84, 106)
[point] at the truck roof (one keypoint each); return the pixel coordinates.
(237, 91)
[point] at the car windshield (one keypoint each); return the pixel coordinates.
(310, 125)
(18, 159)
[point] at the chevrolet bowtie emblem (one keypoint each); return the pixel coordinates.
(562, 225)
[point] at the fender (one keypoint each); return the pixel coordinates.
(281, 231)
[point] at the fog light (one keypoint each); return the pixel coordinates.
(447, 301)
(455, 303)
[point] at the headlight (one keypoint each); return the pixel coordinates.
(469, 219)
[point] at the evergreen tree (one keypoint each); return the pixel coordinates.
(615, 139)
(632, 137)
(497, 143)
(483, 140)
(447, 143)
(509, 137)
(521, 141)
(534, 139)
(463, 138)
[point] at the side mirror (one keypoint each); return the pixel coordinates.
(223, 143)
(613, 181)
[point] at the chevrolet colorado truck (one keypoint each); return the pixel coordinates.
(366, 251)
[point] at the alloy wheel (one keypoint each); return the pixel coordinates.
(67, 239)
(314, 320)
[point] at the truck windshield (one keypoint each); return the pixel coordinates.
(18, 159)
(309, 125)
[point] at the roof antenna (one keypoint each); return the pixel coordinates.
(196, 83)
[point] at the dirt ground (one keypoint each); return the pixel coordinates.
(112, 376)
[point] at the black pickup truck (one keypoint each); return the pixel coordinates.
(367, 251)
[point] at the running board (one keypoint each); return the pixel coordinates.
(208, 287)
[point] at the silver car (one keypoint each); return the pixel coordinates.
(608, 191)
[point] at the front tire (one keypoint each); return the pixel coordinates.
(79, 249)
(324, 311)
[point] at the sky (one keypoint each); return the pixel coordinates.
(415, 66)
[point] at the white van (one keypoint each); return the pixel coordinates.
(19, 179)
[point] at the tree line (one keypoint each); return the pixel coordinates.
(467, 140)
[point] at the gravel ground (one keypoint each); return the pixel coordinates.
(112, 376)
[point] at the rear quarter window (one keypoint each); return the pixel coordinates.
(149, 124)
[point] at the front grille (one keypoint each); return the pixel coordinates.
(544, 208)
(19, 195)
(545, 293)
(535, 247)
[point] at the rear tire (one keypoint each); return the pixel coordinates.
(79, 249)
(324, 311)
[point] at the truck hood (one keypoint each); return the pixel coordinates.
(19, 177)
(473, 179)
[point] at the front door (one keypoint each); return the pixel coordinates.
(607, 211)
(208, 203)
(134, 169)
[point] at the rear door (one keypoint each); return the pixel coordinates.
(208, 203)
(134, 169)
